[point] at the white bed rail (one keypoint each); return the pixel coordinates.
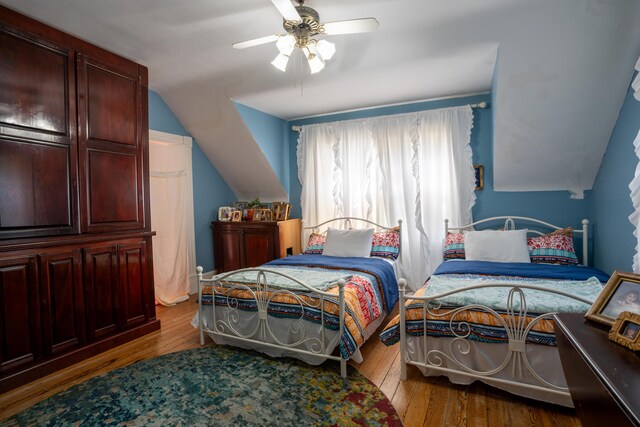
(226, 324)
(509, 224)
(516, 324)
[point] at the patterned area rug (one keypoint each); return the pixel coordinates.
(217, 386)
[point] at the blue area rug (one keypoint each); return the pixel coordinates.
(211, 386)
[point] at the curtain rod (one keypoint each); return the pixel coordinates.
(479, 105)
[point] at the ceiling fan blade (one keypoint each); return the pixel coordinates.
(287, 10)
(351, 26)
(255, 42)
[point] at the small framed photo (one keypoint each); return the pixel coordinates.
(479, 169)
(236, 216)
(626, 330)
(621, 293)
(281, 211)
(239, 206)
(224, 213)
(267, 216)
(257, 214)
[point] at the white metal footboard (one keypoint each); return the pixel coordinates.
(517, 327)
(226, 320)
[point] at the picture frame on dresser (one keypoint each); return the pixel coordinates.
(626, 330)
(621, 293)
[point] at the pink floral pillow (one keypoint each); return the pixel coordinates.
(316, 244)
(454, 246)
(386, 244)
(553, 248)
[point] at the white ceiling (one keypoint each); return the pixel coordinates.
(563, 68)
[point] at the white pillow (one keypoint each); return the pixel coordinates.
(348, 243)
(496, 245)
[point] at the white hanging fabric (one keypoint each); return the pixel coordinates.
(634, 186)
(171, 219)
(636, 82)
(416, 167)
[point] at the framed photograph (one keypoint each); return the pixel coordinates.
(257, 214)
(479, 176)
(281, 211)
(621, 293)
(236, 216)
(239, 206)
(224, 213)
(267, 216)
(626, 330)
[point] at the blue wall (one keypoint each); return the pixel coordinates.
(551, 206)
(209, 189)
(270, 133)
(611, 206)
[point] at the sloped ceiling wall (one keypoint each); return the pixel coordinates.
(563, 68)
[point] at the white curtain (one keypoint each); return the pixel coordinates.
(416, 167)
(634, 186)
(171, 217)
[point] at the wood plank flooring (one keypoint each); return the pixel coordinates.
(419, 401)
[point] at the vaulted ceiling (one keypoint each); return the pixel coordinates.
(558, 72)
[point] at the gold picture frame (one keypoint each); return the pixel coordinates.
(281, 211)
(626, 330)
(236, 216)
(621, 293)
(479, 170)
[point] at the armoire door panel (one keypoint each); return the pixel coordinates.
(113, 195)
(229, 251)
(132, 265)
(34, 95)
(35, 188)
(111, 105)
(258, 247)
(102, 291)
(20, 339)
(63, 295)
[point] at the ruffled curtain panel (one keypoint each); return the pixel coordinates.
(416, 167)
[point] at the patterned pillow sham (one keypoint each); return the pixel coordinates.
(454, 246)
(385, 244)
(316, 244)
(553, 248)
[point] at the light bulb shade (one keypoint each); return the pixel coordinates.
(315, 63)
(281, 62)
(285, 44)
(326, 49)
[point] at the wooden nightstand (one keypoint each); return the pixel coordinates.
(603, 377)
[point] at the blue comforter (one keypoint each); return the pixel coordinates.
(522, 269)
(377, 267)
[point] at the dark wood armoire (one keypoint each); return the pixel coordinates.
(76, 272)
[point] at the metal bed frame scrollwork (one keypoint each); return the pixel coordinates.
(447, 358)
(226, 319)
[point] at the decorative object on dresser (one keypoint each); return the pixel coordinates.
(626, 330)
(602, 376)
(622, 293)
(251, 243)
(224, 213)
(76, 269)
(479, 171)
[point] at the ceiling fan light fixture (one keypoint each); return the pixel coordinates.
(285, 44)
(316, 63)
(281, 62)
(326, 49)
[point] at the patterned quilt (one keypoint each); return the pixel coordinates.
(484, 326)
(364, 300)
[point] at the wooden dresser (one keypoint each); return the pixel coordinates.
(252, 243)
(603, 377)
(76, 272)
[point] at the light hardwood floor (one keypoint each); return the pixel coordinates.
(419, 401)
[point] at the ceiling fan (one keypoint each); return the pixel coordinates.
(301, 23)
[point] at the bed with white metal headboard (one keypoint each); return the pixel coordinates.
(491, 322)
(300, 306)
